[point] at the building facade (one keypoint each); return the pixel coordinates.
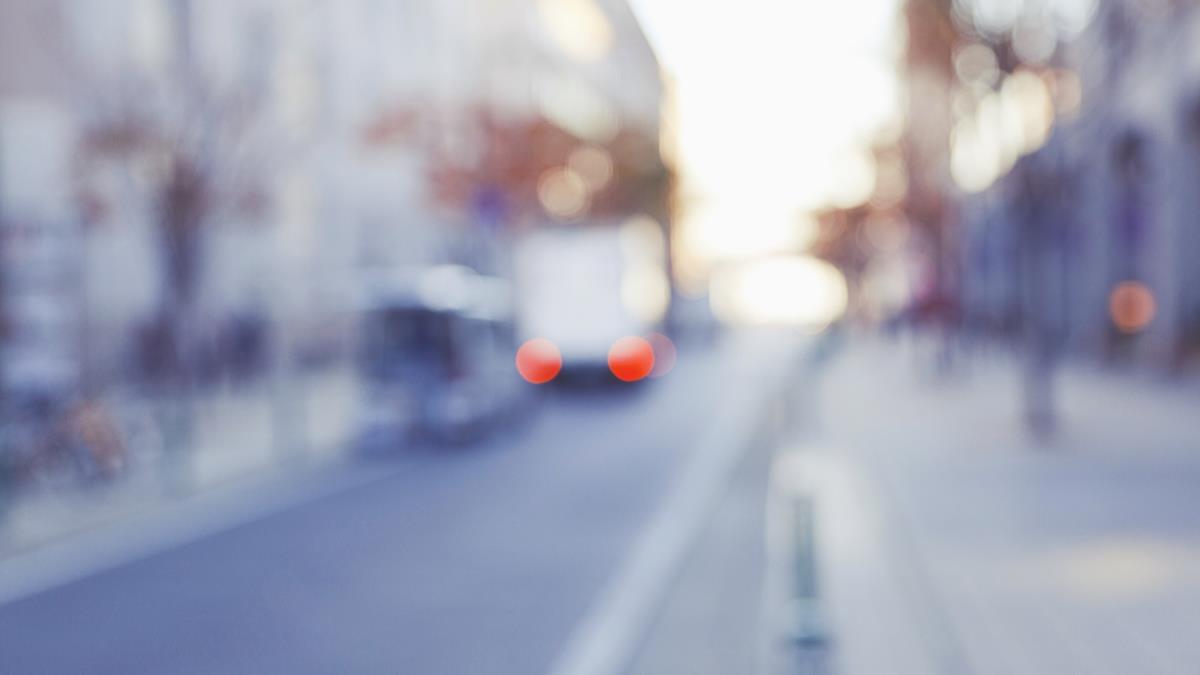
(316, 130)
(1092, 231)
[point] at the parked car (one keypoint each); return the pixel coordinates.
(436, 349)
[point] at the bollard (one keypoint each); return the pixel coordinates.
(809, 629)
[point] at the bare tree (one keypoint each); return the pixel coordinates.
(187, 155)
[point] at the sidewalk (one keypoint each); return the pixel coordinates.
(948, 542)
(235, 436)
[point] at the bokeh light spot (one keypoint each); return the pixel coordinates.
(593, 164)
(664, 354)
(1132, 306)
(579, 27)
(631, 359)
(563, 193)
(799, 291)
(539, 361)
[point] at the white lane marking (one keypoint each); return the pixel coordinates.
(58, 564)
(605, 641)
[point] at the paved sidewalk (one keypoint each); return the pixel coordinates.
(949, 542)
(236, 434)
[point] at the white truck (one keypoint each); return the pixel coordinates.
(584, 287)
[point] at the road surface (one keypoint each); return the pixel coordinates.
(480, 559)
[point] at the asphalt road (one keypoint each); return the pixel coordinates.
(478, 559)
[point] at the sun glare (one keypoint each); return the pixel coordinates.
(777, 123)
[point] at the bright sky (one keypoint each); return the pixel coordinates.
(776, 101)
